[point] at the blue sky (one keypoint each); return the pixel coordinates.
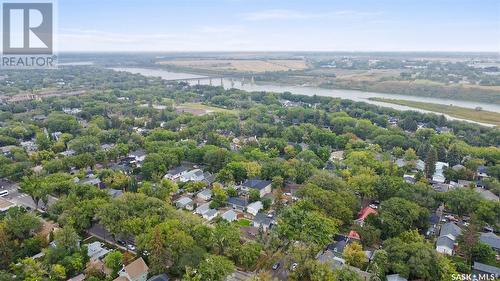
(279, 25)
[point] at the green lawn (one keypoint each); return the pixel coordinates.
(243, 222)
(454, 111)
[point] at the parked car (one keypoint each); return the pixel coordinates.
(276, 266)
(294, 266)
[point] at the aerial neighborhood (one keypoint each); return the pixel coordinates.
(141, 179)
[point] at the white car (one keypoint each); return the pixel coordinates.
(294, 266)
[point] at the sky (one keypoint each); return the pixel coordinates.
(278, 25)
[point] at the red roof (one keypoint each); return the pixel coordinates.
(365, 212)
(354, 235)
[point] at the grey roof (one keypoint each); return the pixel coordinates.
(262, 219)
(177, 170)
(184, 201)
(229, 215)
(486, 194)
(115, 192)
(205, 192)
(210, 212)
(450, 228)
(161, 277)
(256, 184)
(486, 268)
(237, 201)
(138, 153)
(395, 277)
(490, 239)
(337, 247)
(445, 241)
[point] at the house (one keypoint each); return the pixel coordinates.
(448, 235)
(80, 277)
(210, 214)
(237, 203)
(254, 207)
(202, 209)
(137, 157)
(96, 250)
(193, 175)
(39, 117)
(420, 165)
(363, 214)
(337, 155)
(458, 167)
(262, 220)
(491, 239)
(56, 135)
(484, 269)
(161, 277)
(438, 176)
(205, 194)
(29, 145)
(114, 193)
(176, 173)
(464, 183)
(184, 203)
(68, 152)
(135, 271)
(486, 194)
(263, 186)
(481, 172)
(230, 216)
(395, 277)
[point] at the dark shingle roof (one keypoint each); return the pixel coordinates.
(450, 228)
(237, 201)
(256, 184)
(490, 239)
(486, 268)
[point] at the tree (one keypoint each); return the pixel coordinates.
(354, 255)
(57, 272)
(6, 247)
(219, 197)
(430, 162)
(159, 257)
(66, 238)
(249, 254)
(398, 215)
(254, 195)
(29, 269)
(225, 238)
(215, 268)
(113, 261)
(299, 222)
(20, 224)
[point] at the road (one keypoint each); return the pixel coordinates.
(23, 199)
(97, 230)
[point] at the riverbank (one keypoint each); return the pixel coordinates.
(454, 111)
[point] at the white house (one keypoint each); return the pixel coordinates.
(205, 194)
(193, 175)
(184, 203)
(230, 216)
(96, 250)
(210, 214)
(202, 209)
(254, 208)
(176, 173)
(448, 235)
(263, 186)
(438, 174)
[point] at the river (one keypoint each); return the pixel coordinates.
(309, 91)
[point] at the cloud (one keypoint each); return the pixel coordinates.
(299, 15)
